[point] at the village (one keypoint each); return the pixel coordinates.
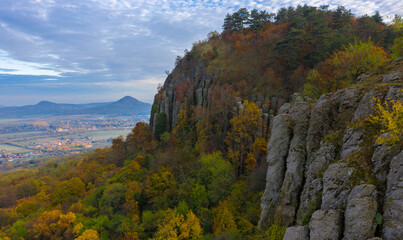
(38, 139)
(53, 148)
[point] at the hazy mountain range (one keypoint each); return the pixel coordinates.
(127, 106)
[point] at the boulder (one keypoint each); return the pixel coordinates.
(326, 225)
(297, 233)
(395, 93)
(336, 185)
(359, 217)
(349, 100)
(391, 78)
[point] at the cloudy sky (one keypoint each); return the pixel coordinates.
(81, 51)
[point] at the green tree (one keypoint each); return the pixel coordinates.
(113, 199)
(160, 125)
(68, 191)
(356, 59)
(217, 175)
(397, 26)
(161, 188)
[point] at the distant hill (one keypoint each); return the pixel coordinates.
(126, 106)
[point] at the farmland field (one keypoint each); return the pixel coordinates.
(13, 149)
(24, 139)
(101, 135)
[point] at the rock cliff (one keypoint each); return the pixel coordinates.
(327, 178)
(190, 85)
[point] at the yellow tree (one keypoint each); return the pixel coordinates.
(53, 224)
(131, 205)
(224, 219)
(160, 187)
(89, 234)
(182, 128)
(244, 131)
(389, 118)
(179, 227)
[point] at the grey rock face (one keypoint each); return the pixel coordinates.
(326, 225)
(359, 217)
(313, 186)
(335, 185)
(295, 160)
(199, 96)
(278, 148)
(393, 208)
(390, 78)
(284, 109)
(365, 106)
(322, 118)
(349, 100)
(310, 198)
(323, 157)
(394, 93)
(352, 139)
(297, 233)
(381, 159)
(362, 77)
(397, 60)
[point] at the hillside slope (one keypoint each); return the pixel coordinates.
(203, 167)
(265, 64)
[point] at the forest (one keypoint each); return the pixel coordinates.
(203, 176)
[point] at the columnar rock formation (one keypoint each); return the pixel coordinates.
(326, 179)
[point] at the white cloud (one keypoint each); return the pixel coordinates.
(113, 44)
(15, 67)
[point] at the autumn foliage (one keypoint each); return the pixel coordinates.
(201, 175)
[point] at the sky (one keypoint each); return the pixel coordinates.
(82, 51)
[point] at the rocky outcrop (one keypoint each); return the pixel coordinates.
(392, 77)
(326, 225)
(190, 86)
(381, 158)
(352, 139)
(359, 217)
(327, 178)
(297, 233)
(278, 146)
(393, 209)
(365, 105)
(294, 174)
(335, 185)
